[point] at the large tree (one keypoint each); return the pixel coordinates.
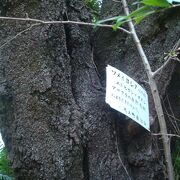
(54, 119)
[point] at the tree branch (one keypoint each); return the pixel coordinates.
(118, 153)
(160, 134)
(155, 94)
(63, 22)
(20, 33)
(168, 59)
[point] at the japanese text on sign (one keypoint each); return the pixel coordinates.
(127, 96)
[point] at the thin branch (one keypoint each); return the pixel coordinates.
(118, 152)
(63, 22)
(160, 134)
(137, 41)
(168, 59)
(19, 34)
(116, 1)
(173, 117)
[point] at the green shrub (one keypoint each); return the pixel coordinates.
(6, 172)
(4, 177)
(94, 5)
(176, 159)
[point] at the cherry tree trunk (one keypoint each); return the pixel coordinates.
(53, 116)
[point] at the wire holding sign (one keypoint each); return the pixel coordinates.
(127, 96)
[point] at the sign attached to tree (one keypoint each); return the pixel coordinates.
(127, 96)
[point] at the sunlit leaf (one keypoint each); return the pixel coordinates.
(121, 18)
(4, 177)
(158, 3)
(107, 20)
(139, 19)
(115, 27)
(141, 13)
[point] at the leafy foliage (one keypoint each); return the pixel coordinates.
(176, 159)
(146, 8)
(94, 5)
(141, 13)
(5, 169)
(5, 177)
(159, 3)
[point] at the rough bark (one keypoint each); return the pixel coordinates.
(54, 120)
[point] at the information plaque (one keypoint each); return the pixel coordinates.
(127, 96)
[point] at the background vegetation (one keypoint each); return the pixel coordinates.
(95, 6)
(176, 159)
(6, 172)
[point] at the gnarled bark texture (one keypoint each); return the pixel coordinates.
(54, 120)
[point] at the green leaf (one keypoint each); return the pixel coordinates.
(114, 27)
(141, 13)
(118, 24)
(138, 19)
(4, 177)
(5, 167)
(121, 20)
(157, 3)
(107, 20)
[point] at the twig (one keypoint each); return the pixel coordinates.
(19, 34)
(160, 134)
(168, 59)
(172, 117)
(118, 152)
(63, 22)
(155, 94)
(116, 1)
(137, 41)
(173, 122)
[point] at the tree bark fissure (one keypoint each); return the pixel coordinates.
(90, 101)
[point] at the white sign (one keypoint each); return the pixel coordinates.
(127, 96)
(1, 143)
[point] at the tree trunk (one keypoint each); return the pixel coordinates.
(54, 119)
